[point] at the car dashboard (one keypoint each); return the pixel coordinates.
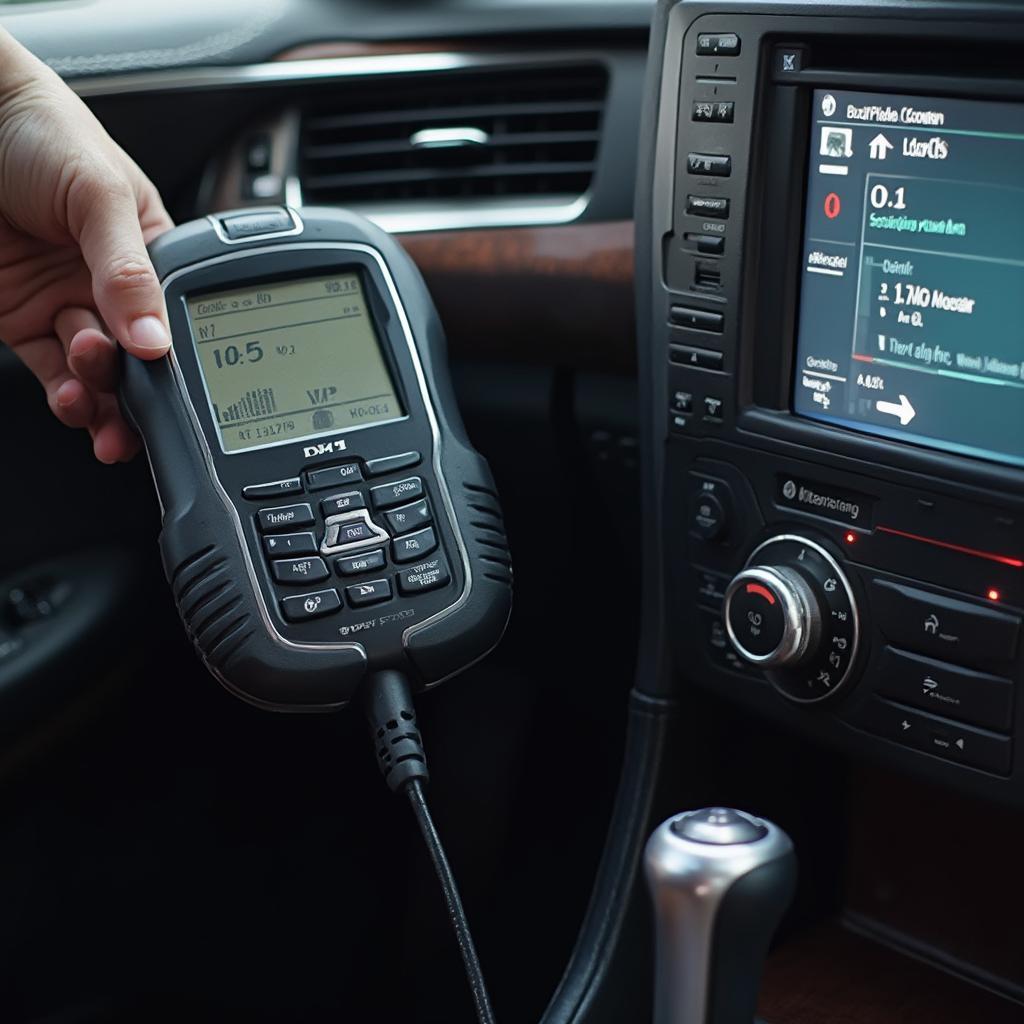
(730, 292)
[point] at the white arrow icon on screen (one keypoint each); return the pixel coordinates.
(903, 409)
(879, 147)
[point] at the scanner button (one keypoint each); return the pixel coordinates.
(354, 533)
(333, 476)
(266, 222)
(413, 546)
(290, 544)
(391, 463)
(274, 489)
(310, 606)
(426, 575)
(408, 517)
(284, 517)
(371, 592)
(387, 495)
(353, 565)
(342, 503)
(300, 570)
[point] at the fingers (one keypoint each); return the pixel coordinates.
(82, 398)
(112, 438)
(92, 357)
(69, 400)
(103, 214)
(91, 354)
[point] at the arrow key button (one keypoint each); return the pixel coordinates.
(372, 592)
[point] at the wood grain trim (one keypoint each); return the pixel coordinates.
(598, 252)
(554, 295)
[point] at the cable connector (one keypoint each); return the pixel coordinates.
(387, 702)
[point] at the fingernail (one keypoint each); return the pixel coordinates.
(65, 395)
(149, 333)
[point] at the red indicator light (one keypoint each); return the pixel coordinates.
(851, 537)
(756, 588)
(993, 594)
(1013, 563)
(833, 204)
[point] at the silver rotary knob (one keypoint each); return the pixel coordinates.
(791, 611)
(772, 616)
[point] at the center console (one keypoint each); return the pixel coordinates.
(831, 261)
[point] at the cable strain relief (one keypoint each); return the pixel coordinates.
(388, 705)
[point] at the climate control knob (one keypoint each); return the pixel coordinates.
(791, 611)
(772, 616)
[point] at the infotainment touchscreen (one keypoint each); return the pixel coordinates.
(911, 321)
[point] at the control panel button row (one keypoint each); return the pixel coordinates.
(951, 741)
(950, 629)
(946, 690)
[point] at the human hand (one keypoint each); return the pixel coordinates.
(75, 278)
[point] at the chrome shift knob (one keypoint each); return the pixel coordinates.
(720, 881)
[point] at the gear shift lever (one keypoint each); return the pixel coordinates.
(721, 881)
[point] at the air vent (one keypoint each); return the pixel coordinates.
(453, 137)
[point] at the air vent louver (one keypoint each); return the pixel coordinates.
(452, 136)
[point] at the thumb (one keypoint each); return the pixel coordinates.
(124, 283)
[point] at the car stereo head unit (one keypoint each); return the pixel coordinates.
(911, 324)
(830, 258)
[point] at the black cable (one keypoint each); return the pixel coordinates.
(456, 913)
(387, 701)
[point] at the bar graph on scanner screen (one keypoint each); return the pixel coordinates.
(253, 405)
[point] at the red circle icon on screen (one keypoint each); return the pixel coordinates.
(832, 206)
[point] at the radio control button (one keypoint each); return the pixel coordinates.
(289, 544)
(371, 592)
(701, 358)
(345, 502)
(947, 628)
(408, 517)
(310, 606)
(697, 319)
(413, 546)
(708, 517)
(718, 44)
(717, 111)
(300, 570)
(334, 476)
(707, 245)
(947, 689)
(715, 165)
(716, 207)
(353, 565)
(391, 463)
(284, 517)
(426, 575)
(274, 489)
(948, 740)
(397, 493)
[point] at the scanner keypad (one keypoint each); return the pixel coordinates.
(354, 536)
